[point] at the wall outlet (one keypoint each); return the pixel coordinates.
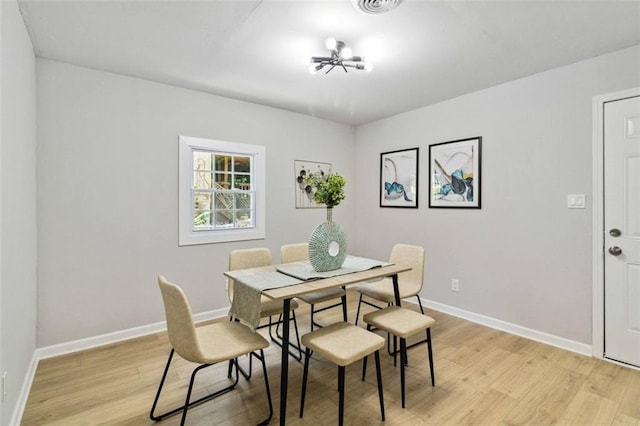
(455, 285)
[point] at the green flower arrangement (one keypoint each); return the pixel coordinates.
(328, 189)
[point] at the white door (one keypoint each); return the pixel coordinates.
(622, 229)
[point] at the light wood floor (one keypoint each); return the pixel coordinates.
(483, 377)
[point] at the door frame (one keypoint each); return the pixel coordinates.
(597, 246)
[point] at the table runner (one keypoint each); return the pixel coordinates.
(247, 293)
(247, 289)
(304, 270)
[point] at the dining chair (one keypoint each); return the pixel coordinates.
(409, 283)
(299, 252)
(206, 345)
(342, 344)
(401, 323)
(254, 258)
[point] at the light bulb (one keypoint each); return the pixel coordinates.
(368, 67)
(330, 43)
(346, 53)
(313, 68)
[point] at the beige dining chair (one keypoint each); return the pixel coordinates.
(254, 258)
(206, 345)
(409, 283)
(402, 323)
(342, 344)
(300, 252)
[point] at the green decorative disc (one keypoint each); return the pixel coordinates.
(327, 247)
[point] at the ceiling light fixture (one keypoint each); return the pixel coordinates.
(341, 56)
(376, 7)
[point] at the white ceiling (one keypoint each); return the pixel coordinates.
(423, 52)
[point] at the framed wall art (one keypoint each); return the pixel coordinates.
(304, 192)
(399, 178)
(454, 174)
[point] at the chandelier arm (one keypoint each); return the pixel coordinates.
(332, 67)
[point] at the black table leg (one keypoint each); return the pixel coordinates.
(396, 289)
(284, 363)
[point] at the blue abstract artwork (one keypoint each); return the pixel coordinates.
(399, 178)
(454, 173)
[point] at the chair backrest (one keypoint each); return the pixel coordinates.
(294, 252)
(405, 254)
(180, 326)
(244, 259)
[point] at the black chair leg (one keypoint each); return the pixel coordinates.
(295, 326)
(277, 339)
(364, 368)
(429, 350)
(246, 374)
(364, 361)
(188, 403)
(403, 363)
(395, 350)
(344, 306)
(189, 389)
(312, 312)
(341, 391)
(164, 376)
(305, 375)
(358, 310)
(266, 384)
(379, 377)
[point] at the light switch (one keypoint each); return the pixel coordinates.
(576, 201)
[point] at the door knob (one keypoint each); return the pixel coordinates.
(615, 251)
(615, 232)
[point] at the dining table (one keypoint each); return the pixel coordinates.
(286, 281)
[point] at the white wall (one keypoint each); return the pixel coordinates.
(524, 258)
(17, 206)
(1, 138)
(107, 185)
(1, 117)
(107, 191)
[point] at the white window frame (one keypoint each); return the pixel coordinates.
(187, 234)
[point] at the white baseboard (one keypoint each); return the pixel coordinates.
(518, 330)
(118, 336)
(21, 403)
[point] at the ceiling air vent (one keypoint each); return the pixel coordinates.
(376, 7)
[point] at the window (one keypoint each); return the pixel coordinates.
(221, 193)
